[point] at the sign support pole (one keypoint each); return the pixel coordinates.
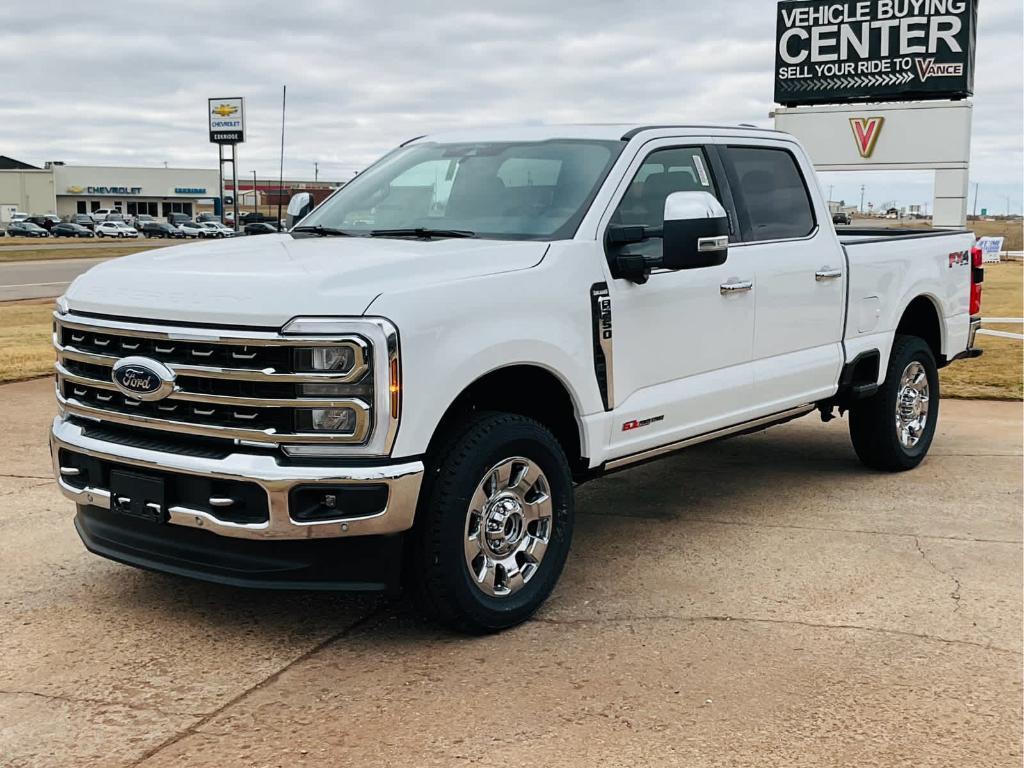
(234, 183)
(220, 174)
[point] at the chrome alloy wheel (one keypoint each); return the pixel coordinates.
(912, 405)
(508, 526)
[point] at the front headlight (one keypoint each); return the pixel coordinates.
(352, 366)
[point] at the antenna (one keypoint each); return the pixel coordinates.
(280, 172)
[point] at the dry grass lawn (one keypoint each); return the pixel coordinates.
(99, 252)
(999, 373)
(25, 345)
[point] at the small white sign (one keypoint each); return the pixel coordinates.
(227, 120)
(991, 247)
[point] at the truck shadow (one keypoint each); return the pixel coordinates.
(738, 478)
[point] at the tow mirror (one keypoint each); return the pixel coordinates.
(298, 207)
(696, 231)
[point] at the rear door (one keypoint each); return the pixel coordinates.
(800, 274)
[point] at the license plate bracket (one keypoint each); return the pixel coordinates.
(137, 495)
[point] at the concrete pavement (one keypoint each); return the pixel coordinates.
(764, 601)
(40, 279)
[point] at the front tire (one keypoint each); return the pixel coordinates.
(893, 429)
(494, 526)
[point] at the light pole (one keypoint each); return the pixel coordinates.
(862, 198)
(316, 171)
(255, 199)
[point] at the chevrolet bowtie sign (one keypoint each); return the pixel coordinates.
(227, 120)
(830, 51)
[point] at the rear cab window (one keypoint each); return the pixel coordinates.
(770, 192)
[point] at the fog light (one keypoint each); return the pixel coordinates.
(333, 420)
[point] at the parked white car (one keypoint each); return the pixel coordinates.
(102, 213)
(403, 390)
(115, 229)
(215, 229)
(192, 229)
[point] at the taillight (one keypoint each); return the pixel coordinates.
(977, 278)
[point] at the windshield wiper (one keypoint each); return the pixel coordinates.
(423, 232)
(323, 231)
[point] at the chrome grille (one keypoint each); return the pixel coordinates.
(243, 386)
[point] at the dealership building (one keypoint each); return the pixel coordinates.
(154, 191)
(68, 189)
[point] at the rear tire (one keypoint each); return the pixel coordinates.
(893, 429)
(494, 526)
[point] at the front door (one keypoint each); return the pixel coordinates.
(682, 341)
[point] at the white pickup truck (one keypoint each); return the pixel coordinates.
(404, 389)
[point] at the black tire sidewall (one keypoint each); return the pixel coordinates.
(491, 440)
(915, 350)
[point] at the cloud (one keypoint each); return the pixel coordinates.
(126, 84)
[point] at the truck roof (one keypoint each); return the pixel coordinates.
(594, 131)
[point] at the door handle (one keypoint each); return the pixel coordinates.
(827, 274)
(727, 288)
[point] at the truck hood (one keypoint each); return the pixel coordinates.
(266, 281)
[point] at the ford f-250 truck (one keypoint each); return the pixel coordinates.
(403, 389)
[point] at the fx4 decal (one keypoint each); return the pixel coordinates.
(959, 259)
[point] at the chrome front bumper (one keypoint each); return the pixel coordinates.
(402, 480)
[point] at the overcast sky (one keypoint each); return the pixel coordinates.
(126, 84)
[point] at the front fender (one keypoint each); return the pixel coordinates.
(453, 334)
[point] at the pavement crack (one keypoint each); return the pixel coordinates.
(29, 488)
(26, 477)
(259, 685)
(955, 594)
(94, 702)
(793, 622)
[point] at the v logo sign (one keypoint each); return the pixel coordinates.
(865, 132)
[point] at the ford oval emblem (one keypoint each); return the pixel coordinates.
(143, 379)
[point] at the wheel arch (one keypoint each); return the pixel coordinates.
(527, 389)
(922, 317)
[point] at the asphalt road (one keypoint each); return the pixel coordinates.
(40, 279)
(764, 601)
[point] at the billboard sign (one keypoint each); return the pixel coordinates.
(227, 120)
(830, 51)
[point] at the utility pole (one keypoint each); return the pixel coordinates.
(830, 188)
(280, 172)
(862, 198)
(255, 199)
(316, 171)
(976, 185)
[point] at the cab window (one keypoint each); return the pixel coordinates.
(664, 171)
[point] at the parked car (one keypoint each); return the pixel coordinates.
(207, 217)
(840, 218)
(159, 229)
(68, 229)
(255, 218)
(260, 228)
(441, 393)
(140, 220)
(46, 222)
(192, 229)
(117, 216)
(83, 220)
(25, 228)
(102, 213)
(215, 229)
(115, 229)
(19, 216)
(177, 218)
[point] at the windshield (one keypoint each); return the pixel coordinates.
(535, 190)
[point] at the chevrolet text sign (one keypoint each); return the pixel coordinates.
(227, 120)
(831, 51)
